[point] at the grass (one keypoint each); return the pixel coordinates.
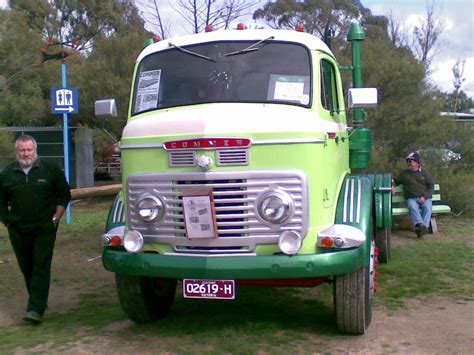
(440, 265)
(84, 313)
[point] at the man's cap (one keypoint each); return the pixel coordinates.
(415, 156)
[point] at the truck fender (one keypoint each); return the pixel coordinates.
(116, 217)
(382, 184)
(354, 206)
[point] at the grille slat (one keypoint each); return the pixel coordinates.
(235, 195)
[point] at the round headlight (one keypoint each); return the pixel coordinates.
(150, 209)
(275, 206)
(289, 242)
(133, 241)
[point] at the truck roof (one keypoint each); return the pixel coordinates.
(306, 39)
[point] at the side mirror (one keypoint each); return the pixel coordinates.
(105, 108)
(362, 98)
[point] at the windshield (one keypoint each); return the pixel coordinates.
(246, 71)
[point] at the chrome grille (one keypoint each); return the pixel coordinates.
(235, 194)
(182, 158)
(232, 157)
(224, 157)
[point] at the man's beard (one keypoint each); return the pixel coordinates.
(27, 162)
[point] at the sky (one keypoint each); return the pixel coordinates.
(455, 43)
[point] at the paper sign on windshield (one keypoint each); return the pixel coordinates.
(147, 90)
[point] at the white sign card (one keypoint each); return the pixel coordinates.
(198, 215)
(147, 90)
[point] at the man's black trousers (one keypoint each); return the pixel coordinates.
(34, 253)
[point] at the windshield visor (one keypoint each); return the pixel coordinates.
(249, 71)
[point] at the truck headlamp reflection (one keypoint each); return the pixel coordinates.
(150, 209)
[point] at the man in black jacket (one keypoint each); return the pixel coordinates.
(33, 197)
(418, 187)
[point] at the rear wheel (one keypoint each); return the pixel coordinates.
(145, 299)
(353, 298)
(383, 243)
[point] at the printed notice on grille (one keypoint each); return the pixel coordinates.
(147, 90)
(198, 217)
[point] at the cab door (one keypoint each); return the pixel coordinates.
(332, 112)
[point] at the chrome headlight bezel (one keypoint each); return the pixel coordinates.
(156, 208)
(133, 241)
(290, 242)
(271, 196)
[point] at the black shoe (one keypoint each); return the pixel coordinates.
(419, 230)
(424, 230)
(33, 317)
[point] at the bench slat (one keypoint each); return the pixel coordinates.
(401, 198)
(398, 202)
(400, 211)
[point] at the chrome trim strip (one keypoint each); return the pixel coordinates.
(351, 216)
(346, 193)
(254, 142)
(140, 146)
(211, 255)
(291, 141)
(359, 197)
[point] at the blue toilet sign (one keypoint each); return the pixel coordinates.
(64, 100)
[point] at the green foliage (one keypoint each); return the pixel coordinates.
(313, 14)
(7, 151)
(108, 75)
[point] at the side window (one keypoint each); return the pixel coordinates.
(329, 98)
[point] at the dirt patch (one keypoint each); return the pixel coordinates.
(437, 327)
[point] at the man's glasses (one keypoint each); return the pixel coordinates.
(409, 160)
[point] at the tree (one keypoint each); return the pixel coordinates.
(25, 83)
(217, 14)
(395, 31)
(76, 23)
(426, 36)
(22, 85)
(152, 16)
(315, 15)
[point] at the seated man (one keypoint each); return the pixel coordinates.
(418, 187)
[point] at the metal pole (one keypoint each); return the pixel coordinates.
(356, 35)
(66, 141)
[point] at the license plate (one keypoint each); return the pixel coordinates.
(210, 289)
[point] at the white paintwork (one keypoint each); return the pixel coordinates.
(310, 41)
(230, 120)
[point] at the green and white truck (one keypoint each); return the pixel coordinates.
(238, 169)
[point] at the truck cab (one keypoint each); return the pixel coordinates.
(237, 164)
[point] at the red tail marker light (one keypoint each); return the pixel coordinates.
(116, 241)
(299, 28)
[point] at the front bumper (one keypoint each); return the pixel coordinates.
(234, 267)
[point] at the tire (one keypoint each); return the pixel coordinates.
(353, 298)
(383, 242)
(145, 299)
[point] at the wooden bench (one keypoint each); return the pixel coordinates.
(399, 207)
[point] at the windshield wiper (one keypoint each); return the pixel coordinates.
(250, 48)
(190, 52)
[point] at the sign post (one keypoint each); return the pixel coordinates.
(65, 101)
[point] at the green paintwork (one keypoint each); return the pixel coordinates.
(349, 203)
(382, 199)
(326, 166)
(234, 267)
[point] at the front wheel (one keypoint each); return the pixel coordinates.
(145, 299)
(353, 298)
